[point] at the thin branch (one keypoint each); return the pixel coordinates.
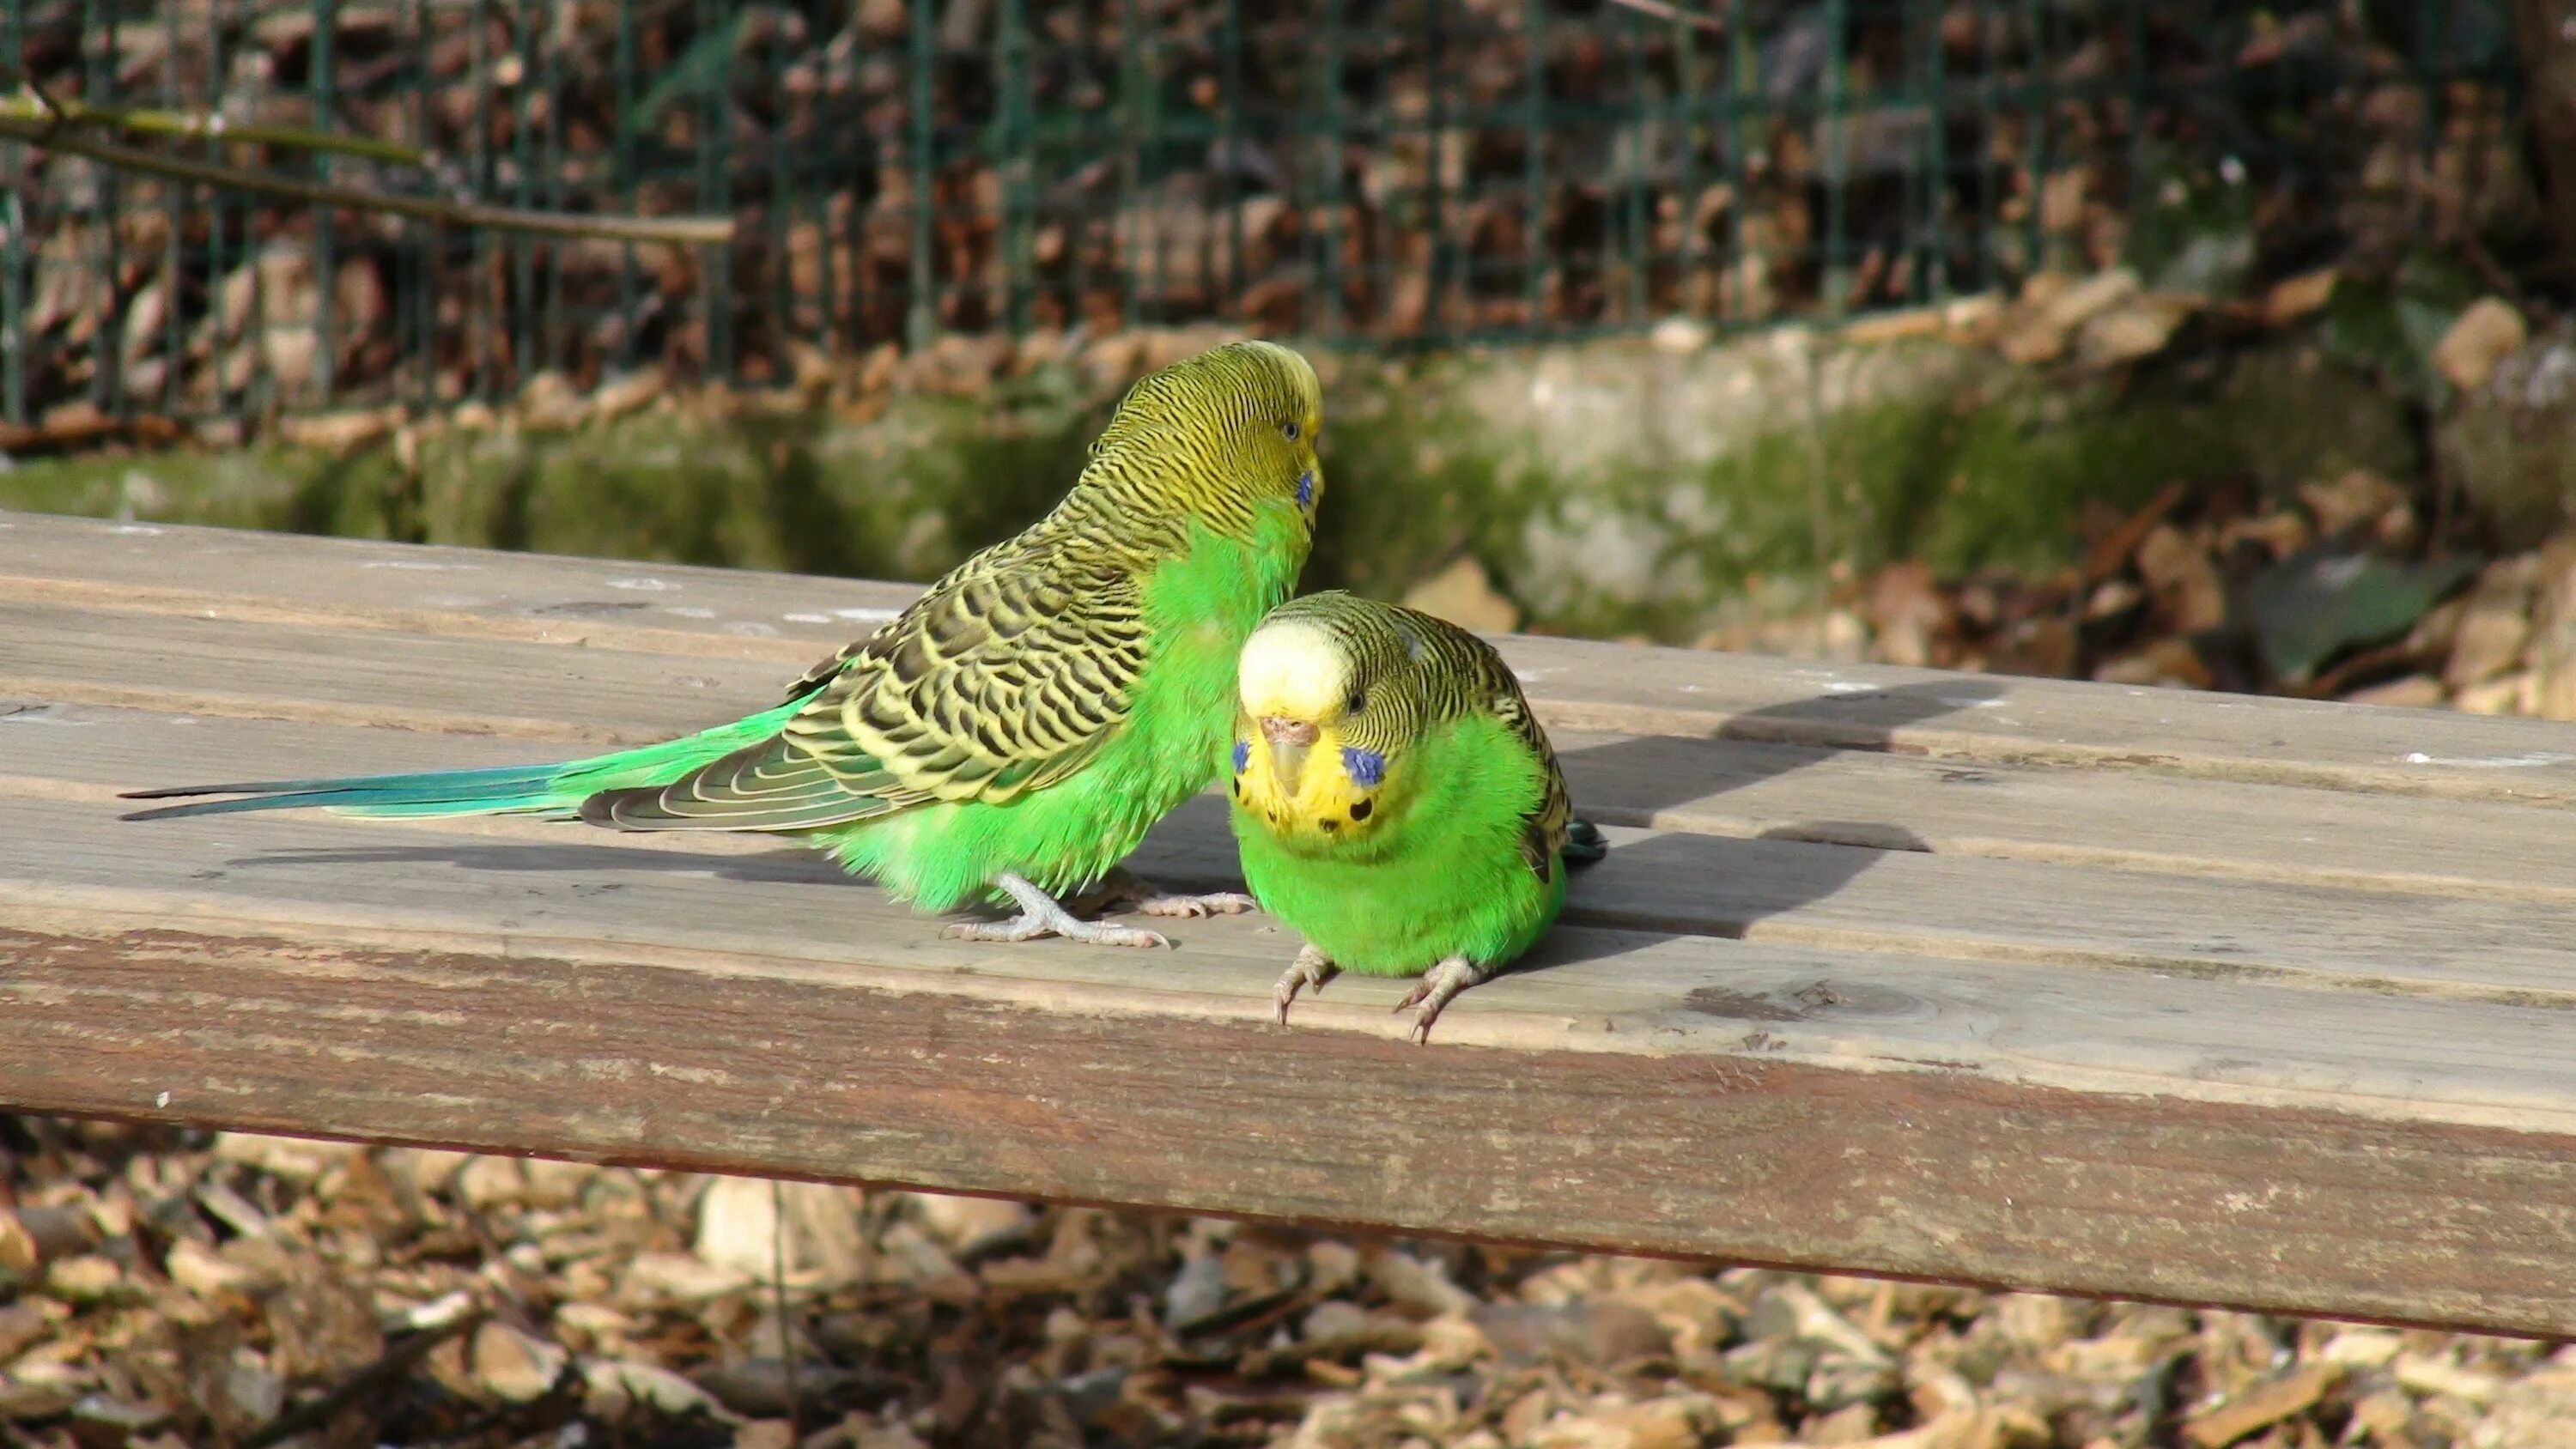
(184, 125)
(778, 1289)
(56, 134)
(1662, 11)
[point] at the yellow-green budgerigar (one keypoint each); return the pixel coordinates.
(1015, 731)
(1394, 800)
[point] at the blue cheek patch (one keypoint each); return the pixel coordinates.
(1305, 490)
(1365, 767)
(1242, 754)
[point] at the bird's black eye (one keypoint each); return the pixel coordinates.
(1290, 431)
(1356, 703)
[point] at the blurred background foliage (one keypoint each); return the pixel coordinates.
(2209, 343)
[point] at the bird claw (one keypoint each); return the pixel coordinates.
(1027, 928)
(1041, 915)
(1310, 969)
(1123, 889)
(1440, 986)
(1214, 903)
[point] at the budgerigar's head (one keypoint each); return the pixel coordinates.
(1221, 434)
(1330, 698)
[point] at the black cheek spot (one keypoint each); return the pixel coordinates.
(1332, 825)
(1360, 810)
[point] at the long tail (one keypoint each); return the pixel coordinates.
(551, 791)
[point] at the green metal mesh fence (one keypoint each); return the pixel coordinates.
(1390, 171)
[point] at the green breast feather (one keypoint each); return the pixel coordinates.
(1394, 800)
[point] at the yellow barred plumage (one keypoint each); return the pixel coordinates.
(1015, 668)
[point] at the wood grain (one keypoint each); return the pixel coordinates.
(1938, 1173)
(1966, 719)
(591, 894)
(272, 578)
(2253, 1002)
(1781, 884)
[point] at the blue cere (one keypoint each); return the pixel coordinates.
(1365, 767)
(1305, 489)
(1242, 754)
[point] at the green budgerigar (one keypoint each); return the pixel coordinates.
(1394, 799)
(1015, 731)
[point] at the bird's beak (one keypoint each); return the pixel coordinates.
(1289, 741)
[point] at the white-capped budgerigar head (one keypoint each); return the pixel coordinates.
(1331, 693)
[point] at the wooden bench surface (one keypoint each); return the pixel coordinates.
(2088, 988)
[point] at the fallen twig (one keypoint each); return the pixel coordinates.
(44, 110)
(1662, 11)
(60, 134)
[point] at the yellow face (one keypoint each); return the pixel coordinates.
(1296, 766)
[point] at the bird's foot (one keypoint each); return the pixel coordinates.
(1214, 903)
(1311, 969)
(1123, 889)
(1041, 915)
(1440, 986)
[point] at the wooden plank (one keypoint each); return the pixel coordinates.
(182, 664)
(2130, 820)
(1858, 897)
(220, 665)
(567, 892)
(2002, 981)
(1973, 720)
(1989, 720)
(1199, 1105)
(275, 578)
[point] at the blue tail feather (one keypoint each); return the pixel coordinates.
(554, 790)
(425, 793)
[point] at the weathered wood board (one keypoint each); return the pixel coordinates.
(2212, 999)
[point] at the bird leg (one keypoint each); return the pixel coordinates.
(1124, 888)
(1311, 969)
(1440, 986)
(1040, 915)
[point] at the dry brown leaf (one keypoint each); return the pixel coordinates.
(83, 1280)
(1907, 612)
(2167, 663)
(2495, 624)
(2415, 691)
(345, 431)
(512, 1366)
(628, 392)
(20, 1325)
(2295, 297)
(972, 1225)
(2507, 694)
(17, 1245)
(2186, 584)
(201, 1271)
(2050, 314)
(2135, 329)
(2357, 499)
(2485, 333)
(2260, 1407)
